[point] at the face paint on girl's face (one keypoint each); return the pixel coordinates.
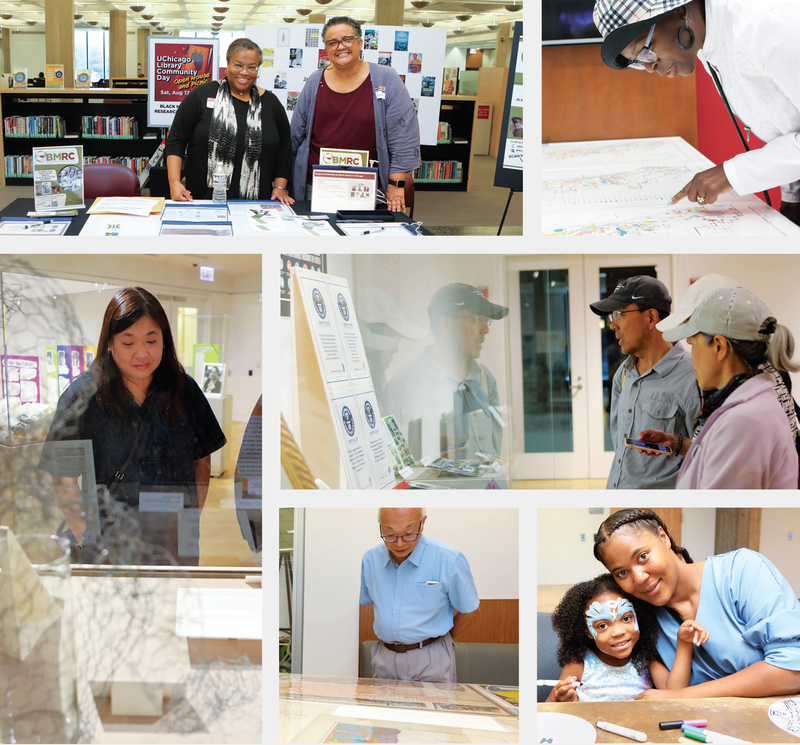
(610, 610)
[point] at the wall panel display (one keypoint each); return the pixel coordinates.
(292, 53)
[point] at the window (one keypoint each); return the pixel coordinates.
(92, 53)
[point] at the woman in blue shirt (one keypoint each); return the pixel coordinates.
(744, 602)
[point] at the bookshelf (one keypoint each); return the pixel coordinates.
(459, 112)
(72, 104)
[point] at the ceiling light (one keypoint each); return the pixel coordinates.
(513, 8)
(457, 31)
(288, 20)
(492, 27)
(303, 11)
(426, 24)
(420, 4)
(222, 9)
(323, 2)
(463, 18)
(92, 23)
(218, 18)
(138, 8)
(155, 24)
(8, 16)
(31, 23)
(148, 16)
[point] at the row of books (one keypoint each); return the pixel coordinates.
(445, 133)
(34, 126)
(123, 127)
(19, 166)
(440, 170)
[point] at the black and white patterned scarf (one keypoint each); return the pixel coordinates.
(222, 140)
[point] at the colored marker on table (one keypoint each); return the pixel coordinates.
(707, 735)
(623, 731)
(552, 683)
(678, 723)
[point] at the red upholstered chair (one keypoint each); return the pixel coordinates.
(409, 195)
(109, 180)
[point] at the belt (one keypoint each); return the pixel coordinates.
(406, 647)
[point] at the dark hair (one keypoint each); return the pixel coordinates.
(244, 44)
(127, 307)
(346, 20)
(569, 622)
(639, 520)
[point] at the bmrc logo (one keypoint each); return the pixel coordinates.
(46, 156)
(340, 159)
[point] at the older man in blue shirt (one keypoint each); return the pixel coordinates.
(654, 388)
(424, 595)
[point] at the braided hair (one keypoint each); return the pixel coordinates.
(639, 519)
(569, 622)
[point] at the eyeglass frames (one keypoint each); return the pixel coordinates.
(345, 41)
(617, 314)
(252, 69)
(407, 538)
(646, 55)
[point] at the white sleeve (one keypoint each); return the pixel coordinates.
(775, 164)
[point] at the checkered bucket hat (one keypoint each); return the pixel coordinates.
(621, 21)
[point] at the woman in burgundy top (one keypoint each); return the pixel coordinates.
(338, 110)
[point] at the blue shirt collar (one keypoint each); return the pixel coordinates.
(415, 557)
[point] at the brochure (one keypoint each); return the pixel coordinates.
(183, 228)
(20, 77)
(58, 177)
(142, 206)
(402, 458)
(54, 76)
(195, 213)
(336, 189)
(459, 467)
(23, 226)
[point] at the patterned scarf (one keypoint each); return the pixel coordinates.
(222, 140)
(719, 397)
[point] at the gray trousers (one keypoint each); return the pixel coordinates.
(435, 663)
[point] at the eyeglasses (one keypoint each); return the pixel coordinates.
(345, 41)
(252, 69)
(646, 55)
(617, 314)
(407, 538)
(480, 320)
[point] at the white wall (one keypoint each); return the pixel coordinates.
(455, 57)
(336, 539)
(28, 50)
(776, 524)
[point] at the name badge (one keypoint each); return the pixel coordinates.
(160, 501)
(380, 91)
(210, 103)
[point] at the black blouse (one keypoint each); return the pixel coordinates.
(191, 128)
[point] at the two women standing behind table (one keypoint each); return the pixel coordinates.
(355, 105)
(237, 124)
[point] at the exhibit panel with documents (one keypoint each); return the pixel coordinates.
(624, 188)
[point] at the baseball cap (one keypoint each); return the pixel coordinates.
(697, 292)
(450, 299)
(641, 289)
(732, 312)
(622, 21)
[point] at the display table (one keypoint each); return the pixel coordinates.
(315, 708)
(745, 718)
(623, 187)
(126, 644)
(129, 225)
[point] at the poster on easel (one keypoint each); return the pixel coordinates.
(292, 53)
(58, 177)
(336, 402)
(20, 77)
(508, 171)
(175, 68)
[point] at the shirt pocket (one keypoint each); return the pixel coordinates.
(432, 596)
(659, 413)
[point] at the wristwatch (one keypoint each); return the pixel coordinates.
(399, 184)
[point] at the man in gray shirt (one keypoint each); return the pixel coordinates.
(654, 388)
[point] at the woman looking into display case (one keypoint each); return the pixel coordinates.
(355, 105)
(235, 123)
(152, 433)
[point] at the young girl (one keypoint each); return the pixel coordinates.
(607, 645)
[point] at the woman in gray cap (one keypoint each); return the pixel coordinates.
(750, 49)
(746, 441)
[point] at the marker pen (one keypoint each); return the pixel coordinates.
(679, 722)
(707, 735)
(623, 731)
(551, 683)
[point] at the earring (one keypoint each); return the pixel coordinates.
(685, 27)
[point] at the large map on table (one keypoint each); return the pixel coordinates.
(623, 188)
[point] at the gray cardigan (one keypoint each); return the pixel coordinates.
(396, 127)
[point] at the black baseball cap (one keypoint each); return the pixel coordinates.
(641, 289)
(450, 299)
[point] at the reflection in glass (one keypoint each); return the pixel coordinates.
(610, 350)
(286, 583)
(546, 365)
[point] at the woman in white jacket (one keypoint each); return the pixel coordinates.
(751, 49)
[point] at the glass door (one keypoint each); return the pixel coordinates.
(548, 364)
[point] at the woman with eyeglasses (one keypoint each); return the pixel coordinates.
(750, 49)
(355, 105)
(234, 123)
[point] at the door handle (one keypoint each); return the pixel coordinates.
(576, 388)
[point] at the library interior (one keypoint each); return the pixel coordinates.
(160, 91)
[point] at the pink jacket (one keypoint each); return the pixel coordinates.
(746, 444)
